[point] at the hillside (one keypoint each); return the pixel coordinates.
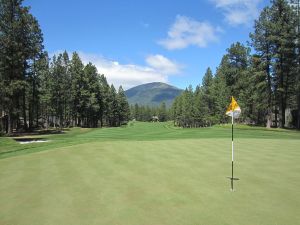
(152, 94)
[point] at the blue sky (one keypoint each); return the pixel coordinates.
(140, 41)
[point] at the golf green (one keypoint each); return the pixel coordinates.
(152, 173)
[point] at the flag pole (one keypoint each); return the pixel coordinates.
(232, 151)
(232, 110)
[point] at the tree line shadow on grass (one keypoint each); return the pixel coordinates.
(36, 132)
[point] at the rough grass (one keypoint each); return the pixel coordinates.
(152, 174)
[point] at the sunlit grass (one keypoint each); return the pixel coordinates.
(152, 173)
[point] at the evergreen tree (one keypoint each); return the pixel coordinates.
(136, 111)
(76, 71)
(162, 112)
(220, 96)
(103, 99)
(262, 43)
(123, 107)
(283, 22)
(90, 96)
(38, 92)
(57, 91)
(113, 110)
(206, 100)
(66, 89)
(198, 107)
(274, 40)
(21, 43)
(44, 75)
(261, 92)
(295, 6)
(187, 119)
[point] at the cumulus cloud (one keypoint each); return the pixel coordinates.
(158, 69)
(186, 31)
(129, 75)
(238, 12)
(163, 64)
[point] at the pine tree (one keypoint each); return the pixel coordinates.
(57, 90)
(261, 40)
(103, 99)
(44, 75)
(261, 92)
(220, 96)
(136, 111)
(274, 40)
(76, 71)
(198, 107)
(66, 90)
(113, 112)
(123, 107)
(90, 96)
(21, 42)
(295, 5)
(207, 106)
(162, 112)
(284, 49)
(187, 119)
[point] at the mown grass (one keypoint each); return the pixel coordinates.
(152, 173)
(139, 131)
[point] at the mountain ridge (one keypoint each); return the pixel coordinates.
(152, 94)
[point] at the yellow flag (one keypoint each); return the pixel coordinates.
(233, 109)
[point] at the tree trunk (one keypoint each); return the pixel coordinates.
(298, 117)
(282, 122)
(24, 111)
(31, 106)
(276, 117)
(6, 124)
(61, 122)
(298, 68)
(282, 94)
(30, 116)
(9, 123)
(37, 114)
(47, 122)
(269, 107)
(269, 113)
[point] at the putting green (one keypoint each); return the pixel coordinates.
(152, 174)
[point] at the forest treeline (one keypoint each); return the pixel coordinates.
(266, 83)
(38, 92)
(150, 113)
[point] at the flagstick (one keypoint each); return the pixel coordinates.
(232, 151)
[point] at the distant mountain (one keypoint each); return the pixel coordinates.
(152, 94)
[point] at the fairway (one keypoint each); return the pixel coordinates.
(152, 174)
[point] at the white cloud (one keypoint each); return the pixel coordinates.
(238, 12)
(158, 69)
(163, 64)
(186, 31)
(129, 75)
